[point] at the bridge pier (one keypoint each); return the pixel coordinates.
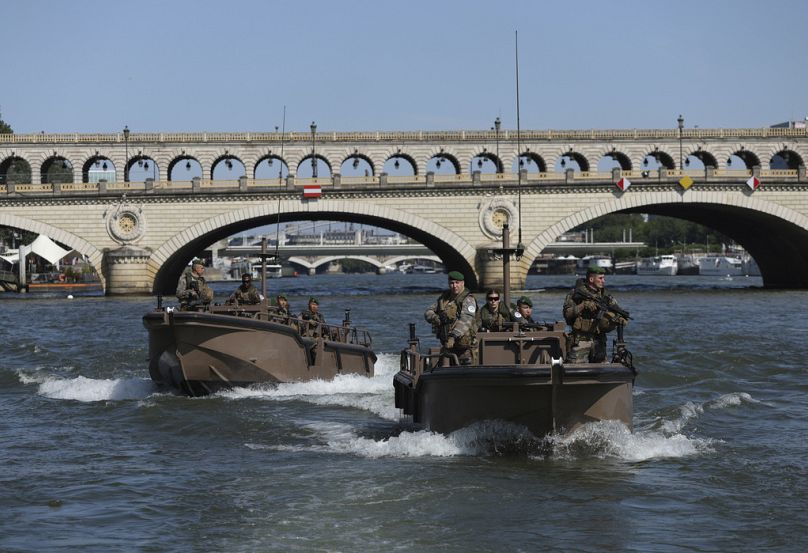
(126, 271)
(489, 270)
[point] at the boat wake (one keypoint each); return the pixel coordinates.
(91, 389)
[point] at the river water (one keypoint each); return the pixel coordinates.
(95, 459)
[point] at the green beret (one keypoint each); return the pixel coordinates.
(595, 269)
(524, 300)
(456, 275)
(314, 300)
(282, 296)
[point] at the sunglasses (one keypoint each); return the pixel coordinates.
(493, 298)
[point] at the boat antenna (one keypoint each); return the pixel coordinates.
(520, 248)
(280, 180)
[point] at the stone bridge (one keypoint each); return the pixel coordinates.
(141, 230)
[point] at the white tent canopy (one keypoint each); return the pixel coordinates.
(48, 249)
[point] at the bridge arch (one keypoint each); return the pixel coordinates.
(749, 158)
(622, 159)
(180, 160)
(272, 159)
(95, 256)
(167, 262)
(320, 261)
(749, 221)
(56, 168)
(306, 159)
(355, 158)
(788, 159)
(707, 158)
(442, 162)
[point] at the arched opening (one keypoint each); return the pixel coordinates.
(656, 160)
(99, 168)
(306, 169)
(184, 168)
(486, 163)
(530, 162)
(700, 159)
(742, 160)
(434, 239)
(572, 160)
(400, 165)
(271, 167)
(15, 170)
(612, 160)
(357, 165)
(785, 159)
(443, 164)
(142, 167)
(227, 167)
(56, 169)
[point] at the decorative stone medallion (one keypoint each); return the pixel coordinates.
(125, 225)
(494, 214)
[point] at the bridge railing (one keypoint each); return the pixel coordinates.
(293, 184)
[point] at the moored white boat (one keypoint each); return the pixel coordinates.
(661, 265)
(720, 265)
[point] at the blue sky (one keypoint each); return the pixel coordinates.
(161, 65)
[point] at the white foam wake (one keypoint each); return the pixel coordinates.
(373, 394)
(91, 389)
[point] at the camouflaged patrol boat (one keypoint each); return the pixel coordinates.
(520, 377)
(517, 376)
(201, 350)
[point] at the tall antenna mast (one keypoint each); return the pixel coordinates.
(280, 181)
(519, 247)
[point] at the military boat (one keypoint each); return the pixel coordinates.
(518, 376)
(201, 350)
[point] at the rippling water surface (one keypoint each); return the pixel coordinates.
(96, 459)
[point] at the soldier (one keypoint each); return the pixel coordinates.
(314, 319)
(494, 316)
(523, 315)
(453, 319)
(283, 305)
(588, 329)
(246, 293)
(192, 289)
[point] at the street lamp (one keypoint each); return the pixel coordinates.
(681, 122)
(313, 156)
(126, 141)
(497, 124)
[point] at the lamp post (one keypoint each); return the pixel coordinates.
(313, 156)
(681, 122)
(497, 124)
(126, 162)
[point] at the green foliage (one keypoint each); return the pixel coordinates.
(5, 128)
(661, 234)
(356, 266)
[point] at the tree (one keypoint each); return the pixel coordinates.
(5, 128)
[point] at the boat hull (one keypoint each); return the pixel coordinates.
(450, 398)
(199, 353)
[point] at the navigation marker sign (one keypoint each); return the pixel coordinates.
(753, 182)
(312, 191)
(623, 184)
(686, 182)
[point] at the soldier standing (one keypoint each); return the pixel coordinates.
(192, 288)
(589, 326)
(314, 319)
(453, 319)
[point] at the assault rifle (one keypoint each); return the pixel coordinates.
(612, 311)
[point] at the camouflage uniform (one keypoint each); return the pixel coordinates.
(453, 320)
(245, 295)
(192, 288)
(489, 320)
(588, 334)
(312, 326)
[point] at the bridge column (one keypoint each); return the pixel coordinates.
(489, 270)
(126, 271)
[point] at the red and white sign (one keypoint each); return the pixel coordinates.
(753, 183)
(623, 184)
(312, 191)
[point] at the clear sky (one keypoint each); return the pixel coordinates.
(162, 65)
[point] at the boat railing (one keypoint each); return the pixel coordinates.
(307, 328)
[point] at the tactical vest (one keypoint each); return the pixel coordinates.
(452, 308)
